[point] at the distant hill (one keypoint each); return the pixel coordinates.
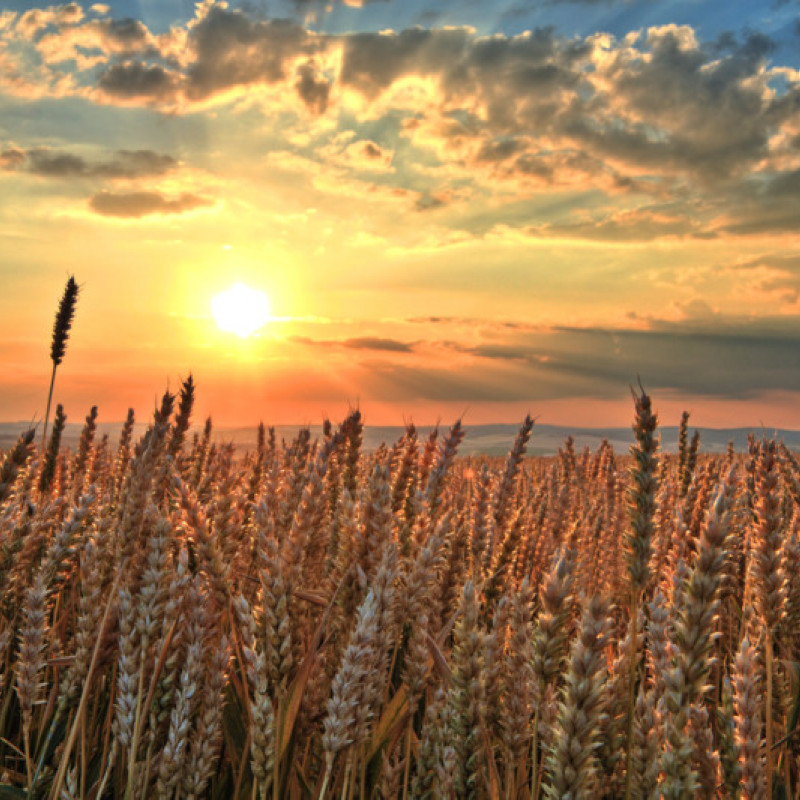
(480, 439)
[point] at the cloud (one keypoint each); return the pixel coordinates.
(359, 343)
(36, 20)
(126, 35)
(770, 280)
(663, 102)
(232, 50)
(369, 153)
(221, 51)
(365, 155)
(764, 204)
(372, 62)
(11, 158)
(50, 163)
(704, 353)
(701, 134)
(505, 352)
(500, 149)
(428, 201)
(642, 224)
(136, 81)
(94, 40)
(703, 357)
(132, 205)
(378, 343)
(538, 110)
(313, 89)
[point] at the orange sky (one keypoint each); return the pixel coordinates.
(468, 210)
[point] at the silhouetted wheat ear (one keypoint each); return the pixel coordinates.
(66, 312)
(64, 316)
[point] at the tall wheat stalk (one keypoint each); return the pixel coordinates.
(61, 327)
(642, 495)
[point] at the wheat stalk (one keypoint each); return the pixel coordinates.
(58, 346)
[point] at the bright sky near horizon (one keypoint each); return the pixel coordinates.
(490, 207)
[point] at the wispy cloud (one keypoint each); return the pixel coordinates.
(50, 163)
(358, 343)
(140, 204)
(703, 353)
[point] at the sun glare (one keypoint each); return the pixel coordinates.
(240, 310)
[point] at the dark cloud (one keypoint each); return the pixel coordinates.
(570, 167)
(138, 81)
(477, 324)
(785, 186)
(371, 150)
(313, 90)
(708, 355)
(773, 219)
(125, 164)
(233, 50)
(373, 61)
(122, 37)
(435, 320)
(227, 49)
(378, 343)
(130, 34)
(765, 205)
(698, 359)
(358, 343)
(499, 149)
(680, 110)
(643, 224)
(428, 201)
(505, 352)
(12, 158)
(673, 92)
(527, 70)
(706, 362)
(56, 165)
(139, 204)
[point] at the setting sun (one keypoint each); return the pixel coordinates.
(240, 310)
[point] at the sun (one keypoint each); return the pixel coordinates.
(240, 310)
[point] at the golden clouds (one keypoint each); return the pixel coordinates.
(656, 113)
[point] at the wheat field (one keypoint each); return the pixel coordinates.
(310, 620)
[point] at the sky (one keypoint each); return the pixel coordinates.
(476, 209)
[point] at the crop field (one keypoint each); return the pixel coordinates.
(313, 620)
